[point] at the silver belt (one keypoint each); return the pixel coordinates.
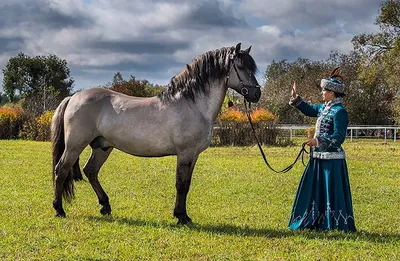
(328, 155)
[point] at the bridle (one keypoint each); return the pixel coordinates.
(244, 87)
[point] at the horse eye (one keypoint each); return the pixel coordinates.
(240, 65)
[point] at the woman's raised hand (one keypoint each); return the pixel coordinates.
(294, 92)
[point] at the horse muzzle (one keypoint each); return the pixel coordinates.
(251, 94)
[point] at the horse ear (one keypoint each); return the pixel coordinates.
(237, 49)
(248, 50)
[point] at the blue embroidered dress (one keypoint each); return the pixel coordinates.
(323, 198)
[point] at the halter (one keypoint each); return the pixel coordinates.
(244, 87)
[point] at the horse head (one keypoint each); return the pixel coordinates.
(241, 74)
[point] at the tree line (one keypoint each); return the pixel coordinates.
(40, 83)
(371, 73)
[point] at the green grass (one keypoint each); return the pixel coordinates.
(240, 209)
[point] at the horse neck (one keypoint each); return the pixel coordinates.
(210, 105)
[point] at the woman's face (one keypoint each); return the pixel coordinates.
(327, 95)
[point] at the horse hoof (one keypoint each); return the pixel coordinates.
(184, 221)
(105, 211)
(61, 215)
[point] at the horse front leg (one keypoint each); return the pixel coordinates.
(184, 172)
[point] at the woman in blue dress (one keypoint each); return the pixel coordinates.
(323, 198)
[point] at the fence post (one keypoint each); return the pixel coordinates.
(394, 135)
(291, 133)
(351, 134)
(385, 133)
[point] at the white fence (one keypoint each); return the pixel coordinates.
(353, 132)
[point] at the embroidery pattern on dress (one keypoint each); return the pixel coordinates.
(324, 121)
(320, 217)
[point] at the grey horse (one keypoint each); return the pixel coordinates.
(179, 122)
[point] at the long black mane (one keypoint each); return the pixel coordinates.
(211, 65)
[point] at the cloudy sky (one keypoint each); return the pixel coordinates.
(154, 39)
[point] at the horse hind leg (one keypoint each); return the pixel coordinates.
(91, 170)
(184, 173)
(63, 180)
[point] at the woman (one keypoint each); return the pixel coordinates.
(323, 199)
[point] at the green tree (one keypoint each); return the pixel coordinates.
(381, 56)
(117, 78)
(41, 80)
(378, 44)
(367, 102)
(134, 87)
(279, 78)
(3, 98)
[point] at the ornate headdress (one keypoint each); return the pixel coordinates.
(332, 83)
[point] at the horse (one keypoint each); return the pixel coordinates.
(179, 121)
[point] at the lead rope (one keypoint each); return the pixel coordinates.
(301, 153)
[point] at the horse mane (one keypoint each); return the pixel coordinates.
(211, 65)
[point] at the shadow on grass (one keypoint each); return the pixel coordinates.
(245, 231)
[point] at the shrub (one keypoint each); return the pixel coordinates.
(138, 88)
(257, 116)
(43, 125)
(37, 128)
(236, 131)
(10, 122)
(262, 115)
(233, 115)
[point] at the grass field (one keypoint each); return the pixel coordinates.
(240, 209)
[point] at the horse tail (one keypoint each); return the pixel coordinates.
(58, 147)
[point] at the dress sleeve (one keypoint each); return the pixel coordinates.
(307, 109)
(340, 122)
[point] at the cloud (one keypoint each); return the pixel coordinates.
(313, 13)
(154, 39)
(210, 14)
(40, 15)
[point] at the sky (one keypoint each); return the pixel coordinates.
(154, 39)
